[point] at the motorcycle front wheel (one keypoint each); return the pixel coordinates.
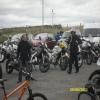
(37, 96)
(9, 67)
(80, 60)
(89, 59)
(93, 75)
(44, 65)
(86, 96)
(63, 63)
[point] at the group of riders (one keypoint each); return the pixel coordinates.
(73, 42)
(24, 52)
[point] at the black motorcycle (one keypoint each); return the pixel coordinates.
(89, 53)
(92, 87)
(5, 52)
(14, 64)
(64, 59)
(11, 62)
(41, 58)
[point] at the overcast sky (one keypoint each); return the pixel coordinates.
(29, 12)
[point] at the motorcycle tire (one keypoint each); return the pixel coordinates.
(93, 75)
(9, 67)
(44, 65)
(37, 95)
(63, 63)
(89, 59)
(95, 59)
(86, 96)
(80, 60)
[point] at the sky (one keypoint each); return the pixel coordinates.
(15, 13)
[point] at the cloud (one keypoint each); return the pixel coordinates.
(23, 12)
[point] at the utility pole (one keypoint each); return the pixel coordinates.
(52, 16)
(42, 12)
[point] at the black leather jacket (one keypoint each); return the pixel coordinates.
(74, 41)
(24, 50)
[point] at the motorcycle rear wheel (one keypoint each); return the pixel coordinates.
(9, 67)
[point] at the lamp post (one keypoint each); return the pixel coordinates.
(42, 12)
(52, 16)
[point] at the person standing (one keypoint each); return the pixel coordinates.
(23, 54)
(73, 41)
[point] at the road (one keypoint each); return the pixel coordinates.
(55, 84)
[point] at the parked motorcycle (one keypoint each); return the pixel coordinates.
(89, 53)
(41, 58)
(13, 64)
(5, 50)
(53, 54)
(96, 73)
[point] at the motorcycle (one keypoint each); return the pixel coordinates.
(41, 58)
(5, 50)
(89, 53)
(64, 55)
(64, 59)
(53, 54)
(13, 64)
(58, 56)
(96, 73)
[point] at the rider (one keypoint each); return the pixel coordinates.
(74, 41)
(23, 54)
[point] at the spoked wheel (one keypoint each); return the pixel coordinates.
(37, 96)
(86, 96)
(63, 63)
(9, 67)
(44, 65)
(80, 60)
(94, 75)
(95, 59)
(89, 59)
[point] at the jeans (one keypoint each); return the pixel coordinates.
(73, 60)
(22, 65)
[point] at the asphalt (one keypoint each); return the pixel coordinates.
(55, 84)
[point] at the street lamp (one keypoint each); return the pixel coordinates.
(42, 12)
(52, 16)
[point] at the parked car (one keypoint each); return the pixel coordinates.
(65, 36)
(44, 38)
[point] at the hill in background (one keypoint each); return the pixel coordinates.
(4, 33)
(93, 31)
